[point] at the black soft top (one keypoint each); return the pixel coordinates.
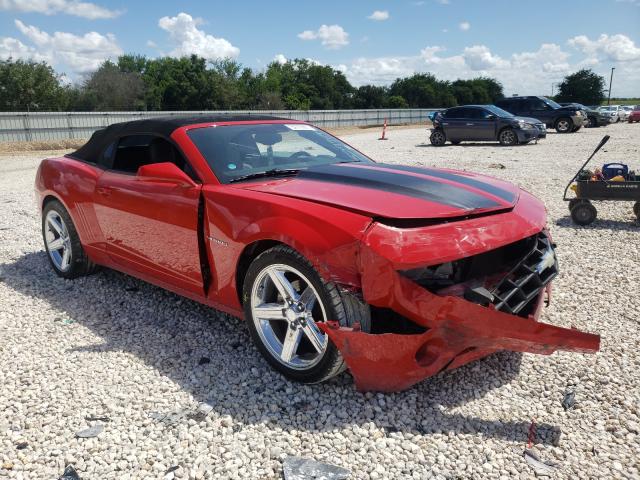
(162, 126)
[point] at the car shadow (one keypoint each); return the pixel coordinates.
(472, 144)
(600, 224)
(215, 361)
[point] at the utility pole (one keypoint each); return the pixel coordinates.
(610, 80)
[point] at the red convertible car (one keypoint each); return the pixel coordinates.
(334, 261)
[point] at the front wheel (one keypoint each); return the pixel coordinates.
(508, 137)
(584, 213)
(564, 125)
(437, 138)
(284, 300)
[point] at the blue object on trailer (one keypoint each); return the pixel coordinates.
(610, 170)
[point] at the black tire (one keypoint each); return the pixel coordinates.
(342, 307)
(636, 210)
(584, 213)
(438, 138)
(594, 123)
(575, 129)
(508, 137)
(575, 201)
(455, 142)
(564, 125)
(79, 264)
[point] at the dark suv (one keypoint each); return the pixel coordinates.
(563, 119)
(484, 123)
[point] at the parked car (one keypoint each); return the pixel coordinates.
(594, 117)
(634, 115)
(334, 260)
(616, 112)
(484, 123)
(552, 114)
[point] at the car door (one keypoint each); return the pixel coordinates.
(481, 124)
(540, 110)
(150, 225)
(454, 123)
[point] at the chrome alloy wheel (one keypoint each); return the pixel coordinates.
(285, 308)
(508, 137)
(563, 125)
(58, 242)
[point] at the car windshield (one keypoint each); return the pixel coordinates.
(236, 152)
(551, 103)
(607, 109)
(498, 111)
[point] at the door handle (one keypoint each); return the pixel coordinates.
(470, 124)
(104, 191)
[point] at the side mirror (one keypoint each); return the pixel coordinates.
(166, 172)
(491, 116)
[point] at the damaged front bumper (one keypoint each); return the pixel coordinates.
(453, 331)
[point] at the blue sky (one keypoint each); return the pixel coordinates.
(527, 46)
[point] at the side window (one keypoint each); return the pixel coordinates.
(537, 104)
(135, 151)
(457, 113)
(106, 159)
(479, 114)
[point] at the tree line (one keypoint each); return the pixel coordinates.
(135, 82)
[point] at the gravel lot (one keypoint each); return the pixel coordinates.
(114, 347)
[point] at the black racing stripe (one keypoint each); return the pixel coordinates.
(399, 183)
(505, 195)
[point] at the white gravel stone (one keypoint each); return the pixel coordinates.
(96, 347)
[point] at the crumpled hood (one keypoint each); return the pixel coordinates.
(395, 191)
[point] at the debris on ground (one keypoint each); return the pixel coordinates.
(499, 166)
(69, 474)
(540, 467)
(204, 360)
(91, 432)
(92, 418)
(298, 468)
(569, 399)
(21, 445)
(7, 466)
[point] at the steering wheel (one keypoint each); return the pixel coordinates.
(299, 154)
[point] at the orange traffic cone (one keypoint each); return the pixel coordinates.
(384, 131)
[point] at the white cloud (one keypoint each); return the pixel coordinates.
(332, 37)
(443, 2)
(479, 57)
(152, 44)
(63, 50)
(617, 48)
(280, 58)
(189, 39)
(51, 7)
(464, 26)
(379, 15)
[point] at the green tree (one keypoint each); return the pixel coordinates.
(396, 101)
(29, 85)
(423, 90)
(585, 86)
(110, 88)
(370, 96)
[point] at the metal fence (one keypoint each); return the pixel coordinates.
(33, 126)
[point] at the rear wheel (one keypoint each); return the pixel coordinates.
(564, 125)
(584, 213)
(508, 137)
(62, 243)
(437, 138)
(284, 300)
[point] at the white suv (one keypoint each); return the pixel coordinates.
(616, 111)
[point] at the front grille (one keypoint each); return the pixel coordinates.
(514, 275)
(521, 286)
